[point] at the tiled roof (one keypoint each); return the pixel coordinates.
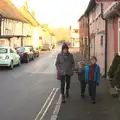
(8, 10)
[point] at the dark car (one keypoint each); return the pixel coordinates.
(35, 51)
(25, 54)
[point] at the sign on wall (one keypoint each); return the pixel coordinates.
(40, 37)
(98, 1)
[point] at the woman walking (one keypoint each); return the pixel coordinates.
(65, 65)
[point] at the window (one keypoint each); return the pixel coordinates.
(11, 51)
(2, 42)
(101, 41)
(21, 49)
(91, 43)
(3, 50)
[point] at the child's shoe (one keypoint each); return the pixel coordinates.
(93, 102)
(82, 95)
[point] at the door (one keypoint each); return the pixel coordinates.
(17, 57)
(92, 48)
(14, 56)
(102, 54)
(94, 45)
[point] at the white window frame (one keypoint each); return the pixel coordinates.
(119, 37)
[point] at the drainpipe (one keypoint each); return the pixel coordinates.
(0, 24)
(105, 39)
(88, 37)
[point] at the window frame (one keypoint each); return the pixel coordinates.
(101, 41)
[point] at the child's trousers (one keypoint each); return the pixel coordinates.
(82, 86)
(92, 89)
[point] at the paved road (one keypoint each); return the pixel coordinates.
(25, 89)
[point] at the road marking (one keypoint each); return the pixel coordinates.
(57, 109)
(49, 104)
(44, 104)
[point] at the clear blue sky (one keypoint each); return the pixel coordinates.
(57, 12)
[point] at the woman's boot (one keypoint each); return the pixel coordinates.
(67, 94)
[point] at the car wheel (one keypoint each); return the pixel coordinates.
(27, 59)
(38, 55)
(11, 65)
(19, 63)
(33, 57)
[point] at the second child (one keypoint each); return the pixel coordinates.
(82, 72)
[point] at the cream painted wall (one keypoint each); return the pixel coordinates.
(4, 42)
(15, 42)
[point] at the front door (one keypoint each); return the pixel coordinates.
(102, 54)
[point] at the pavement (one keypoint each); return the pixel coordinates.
(76, 108)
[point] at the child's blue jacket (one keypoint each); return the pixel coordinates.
(96, 74)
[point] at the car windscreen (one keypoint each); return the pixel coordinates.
(20, 49)
(27, 49)
(3, 50)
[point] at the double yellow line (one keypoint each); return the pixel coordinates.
(46, 105)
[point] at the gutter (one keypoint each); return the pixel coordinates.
(105, 39)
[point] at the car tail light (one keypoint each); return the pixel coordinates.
(7, 57)
(0, 57)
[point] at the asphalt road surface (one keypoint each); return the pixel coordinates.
(29, 92)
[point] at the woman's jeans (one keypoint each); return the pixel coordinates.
(65, 80)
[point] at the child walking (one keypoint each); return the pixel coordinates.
(94, 78)
(82, 76)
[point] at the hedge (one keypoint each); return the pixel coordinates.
(114, 65)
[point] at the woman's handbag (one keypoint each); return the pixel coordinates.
(58, 76)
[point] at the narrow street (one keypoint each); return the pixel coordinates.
(25, 89)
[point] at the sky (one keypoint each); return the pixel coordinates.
(57, 13)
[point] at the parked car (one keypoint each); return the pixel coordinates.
(25, 54)
(47, 47)
(36, 53)
(9, 57)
